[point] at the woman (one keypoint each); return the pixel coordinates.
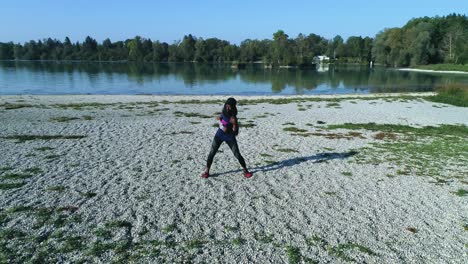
(227, 132)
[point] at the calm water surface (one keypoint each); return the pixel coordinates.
(22, 77)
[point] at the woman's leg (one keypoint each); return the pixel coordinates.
(235, 150)
(214, 148)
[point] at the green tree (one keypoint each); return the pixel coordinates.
(160, 51)
(187, 48)
(280, 47)
(7, 51)
(135, 49)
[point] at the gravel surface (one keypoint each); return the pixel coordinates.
(136, 173)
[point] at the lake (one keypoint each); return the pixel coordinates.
(26, 77)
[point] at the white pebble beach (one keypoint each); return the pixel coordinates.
(133, 170)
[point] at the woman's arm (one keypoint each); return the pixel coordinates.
(233, 121)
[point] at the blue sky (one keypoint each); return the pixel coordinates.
(170, 20)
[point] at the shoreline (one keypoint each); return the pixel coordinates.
(430, 71)
(175, 98)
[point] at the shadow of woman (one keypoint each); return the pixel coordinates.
(318, 158)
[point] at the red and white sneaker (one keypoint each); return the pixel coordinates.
(205, 175)
(248, 174)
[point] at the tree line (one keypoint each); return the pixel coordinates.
(421, 41)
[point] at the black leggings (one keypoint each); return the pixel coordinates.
(232, 144)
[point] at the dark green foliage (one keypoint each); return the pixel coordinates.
(424, 41)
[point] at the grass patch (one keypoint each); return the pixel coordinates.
(63, 119)
(289, 124)
(81, 106)
(294, 254)
(3, 169)
(333, 104)
(347, 173)
(461, 192)
(185, 114)
(194, 244)
(454, 130)
(16, 176)
(103, 233)
(412, 230)
(348, 136)
(10, 233)
(182, 132)
(340, 251)
(425, 151)
(197, 122)
(44, 148)
(286, 150)
(230, 228)
(265, 155)
(34, 170)
(51, 157)
(385, 135)
(238, 241)
(294, 129)
(454, 94)
(88, 194)
(247, 124)
(169, 228)
(263, 238)
(87, 117)
(9, 106)
(23, 138)
(8, 186)
(71, 244)
(271, 162)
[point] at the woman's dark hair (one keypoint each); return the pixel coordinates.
(232, 102)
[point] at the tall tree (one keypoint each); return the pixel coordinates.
(187, 48)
